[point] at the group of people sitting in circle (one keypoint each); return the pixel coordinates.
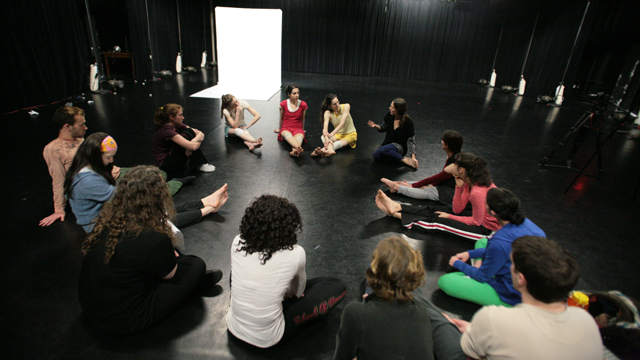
(135, 270)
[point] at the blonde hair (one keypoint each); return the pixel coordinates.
(396, 270)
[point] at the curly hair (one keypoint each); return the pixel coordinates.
(326, 105)
(396, 270)
(142, 202)
(269, 224)
(164, 113)
(89, 154)
(476, 167)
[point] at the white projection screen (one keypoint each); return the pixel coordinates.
(249, 44)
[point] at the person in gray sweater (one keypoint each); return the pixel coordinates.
(396, 321)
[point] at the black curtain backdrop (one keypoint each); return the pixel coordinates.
(45, 45)
(163, 23)
(407, 39)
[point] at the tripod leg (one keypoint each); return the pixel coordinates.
(597, 152)
(574, 129)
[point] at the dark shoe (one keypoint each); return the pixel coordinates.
(208, 287)
(185, 180)
(212, 277)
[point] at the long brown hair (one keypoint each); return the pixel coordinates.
(164, 113)
(226, 101)
(476, 168)
(401, 109)
(326, 105)
(142, 202)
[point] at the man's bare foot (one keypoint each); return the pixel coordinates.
(393, 187)
(388, 206)
(217, 199)
(317, 152)
(409, 163)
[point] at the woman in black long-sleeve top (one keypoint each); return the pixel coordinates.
(399, 140)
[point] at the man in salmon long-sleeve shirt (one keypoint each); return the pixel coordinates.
(59, 154)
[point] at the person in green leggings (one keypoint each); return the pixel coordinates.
(488, 280)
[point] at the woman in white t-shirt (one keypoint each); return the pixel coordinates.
(271, 298)
(232, 112)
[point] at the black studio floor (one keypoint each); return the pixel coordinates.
(597, 220)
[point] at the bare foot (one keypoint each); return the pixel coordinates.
(217, 199)
(388, 206)
(317, 152)
(294, 153)
(327, 153)
(250, 145)
(276, 131)
(409, 163)
(393, 187)
(258, 143)
(299, 149)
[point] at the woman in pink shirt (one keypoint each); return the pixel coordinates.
(473, 181)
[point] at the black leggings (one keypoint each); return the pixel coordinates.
(188, 212)
(177, 158)
(166, 296)
(320, 295)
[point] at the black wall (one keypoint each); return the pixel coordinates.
(408, 39)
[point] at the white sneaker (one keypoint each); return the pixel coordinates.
(207, 168)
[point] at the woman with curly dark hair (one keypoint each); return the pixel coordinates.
(271, 298)
(473, 181)
(396, 321)
(131, 276)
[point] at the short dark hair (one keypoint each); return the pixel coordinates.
(290, 87)
(550, 270)
(269, 224)
(66, 115)
(396, 270)
(453, 140)
(506, 205)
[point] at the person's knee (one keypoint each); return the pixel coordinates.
(444, 282)
(286, 135)
(239, 132)
(299, 138)
(188, 134)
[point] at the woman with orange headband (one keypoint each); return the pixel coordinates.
(89, 183)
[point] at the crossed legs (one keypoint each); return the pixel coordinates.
(332, 145)
(294, 141)
(251, 143)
